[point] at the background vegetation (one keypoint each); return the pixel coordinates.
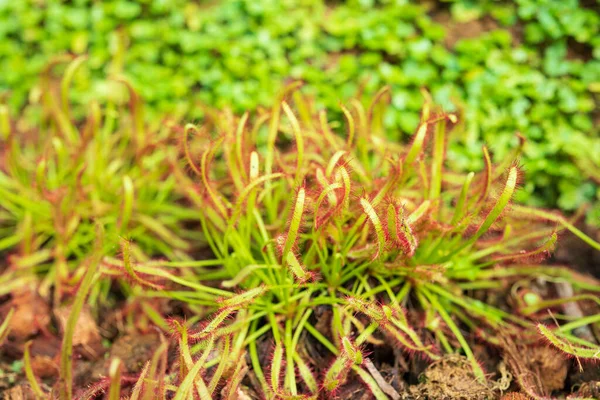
(528, 66)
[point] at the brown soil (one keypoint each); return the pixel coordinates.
(517, 365)
(537, 369)
(456, 31)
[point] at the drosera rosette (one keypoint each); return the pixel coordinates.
(301, 216)
(375, 220)
(60, 175)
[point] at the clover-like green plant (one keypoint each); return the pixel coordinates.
(525, 65)
(300, 216)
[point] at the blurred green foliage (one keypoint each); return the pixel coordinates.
(526, 65)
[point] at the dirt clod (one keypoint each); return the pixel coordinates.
(44, 367)
(45, 355)
(552, 367)
(21, 392)
(134, 351)
(452, 377)
(86, 339)
(30, 316)
(538, 369)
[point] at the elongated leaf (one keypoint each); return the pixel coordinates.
(592, 353)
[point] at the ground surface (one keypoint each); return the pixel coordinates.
(100, 337)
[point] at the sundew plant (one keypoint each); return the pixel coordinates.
(302, 214)
(61, 176)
